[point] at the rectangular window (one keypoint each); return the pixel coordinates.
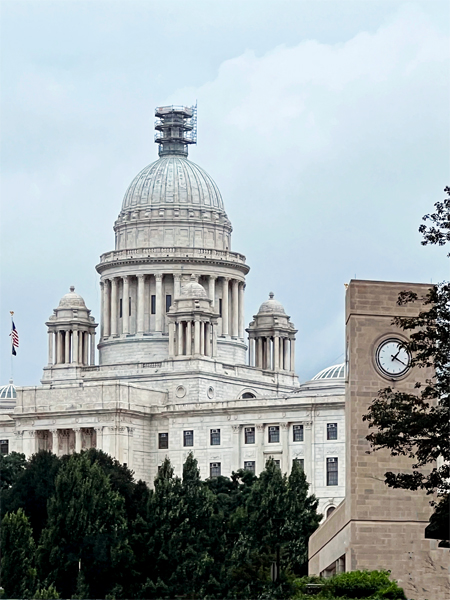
(300, 462)
(163, 441)
(4, 447)
(153, 304)
(277, 463)
(214, 469)
(298, 433)
(215, 437)
(129, 306)
(249, 435)
(120, 308)
(220, 307)
(331, 431)
(168, 302)
(274, 434)
(188, 438)
(332, 471)
(249, 465)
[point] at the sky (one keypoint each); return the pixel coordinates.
(324, 123)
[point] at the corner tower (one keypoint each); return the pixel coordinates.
(172, 225)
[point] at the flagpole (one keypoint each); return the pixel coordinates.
(11, 312)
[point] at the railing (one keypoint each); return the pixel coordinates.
(176, 252)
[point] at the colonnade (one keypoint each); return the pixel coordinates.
(129, 301)
(192, 337)
(71, 346)
(274, 353)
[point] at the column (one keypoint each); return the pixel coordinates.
(202, 338)
(189, 338)
(260, 465)
(292, 354)
(214, 339)
(235, 308)
(158, 316)
(236, 449)
(107, 311)
(99, 437)
(308, 457)
(276, 353)
(77, 439)
(251, 351)
(86, 348)
(114, 303)
(50, 347)
(268, 353)
(140, 303)
(286, 354)
(176, 286)
(126, 305)
(75, 346)
(212, 289)
(102, 308)
(61, 346)
(172, 328)
(241, 309)
(196, 337)
(67, 347)
(259, 353)
(92, 352)
(284, 432)
(225, 306)
(207, 339)
(80, 347)
(180, 338)
(55, 441)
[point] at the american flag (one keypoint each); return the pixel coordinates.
(14, 337)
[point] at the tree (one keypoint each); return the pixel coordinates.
(18, 556)
(11, 466)
(416, 425)
(86, 533)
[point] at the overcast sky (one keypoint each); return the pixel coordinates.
(324, 123)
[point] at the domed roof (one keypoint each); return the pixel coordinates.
(193, 289)
(271, 306)
(72, 300)
(8, 396)
(334, 372)
(172, 180)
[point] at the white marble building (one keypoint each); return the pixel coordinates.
(176, 371)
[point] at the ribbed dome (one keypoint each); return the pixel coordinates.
(172, 180)
(334, 372)
(271, 306)
(193, 289)
(8, 391)
(72, 300)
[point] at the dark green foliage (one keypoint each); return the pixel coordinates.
(370, 585)
(18, 556)
(11, 466)
(416, 425)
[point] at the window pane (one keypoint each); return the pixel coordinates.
(215, 437)
(332, 471)
(168, 302)
(298, 433)
(188, 438)
(274, 434)
(153, 305)
(163, 441)
(331, 431)
(214, 469)
(120, 308)
(4, 446)
(249, 435)
(249, 465)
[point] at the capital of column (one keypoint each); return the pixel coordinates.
(176, 277)
(260, 427)
(124, 277)
(236, 428)
(158, 277)
(284, 426)
(76, 429)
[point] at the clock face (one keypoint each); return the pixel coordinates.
(392, 358)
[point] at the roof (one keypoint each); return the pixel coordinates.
(8, 391)
(333, 372)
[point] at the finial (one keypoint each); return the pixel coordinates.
(271, 295)
(72, 288)
(176, 128)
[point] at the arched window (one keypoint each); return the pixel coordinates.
(248, 395)
(330, 510)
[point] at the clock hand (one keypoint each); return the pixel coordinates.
(400, 361)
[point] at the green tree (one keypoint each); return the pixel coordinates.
(11, 466)
(18, 573)
(370, 585)
(86, 532)
(416, 424)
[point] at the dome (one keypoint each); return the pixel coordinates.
(72, 300)
(7, 392)
(193, 290)
(271, 306)
(172, 180)
(334, 372)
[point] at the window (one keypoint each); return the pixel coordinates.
(274, 434)
(332, 471)
(163, 441)
(215, 437)
(120, 308)
(249, 435)
(188, 438)
(129, 306)
(4, 447)
(168, 302)
(300, 462)
(277, 463)
(214, 469)
(220, 307)
(248, 395)
(298, 433)
(331, 431)
(153, 304)
(330, 510)
(249, 465)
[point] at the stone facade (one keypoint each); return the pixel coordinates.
(378, 527)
